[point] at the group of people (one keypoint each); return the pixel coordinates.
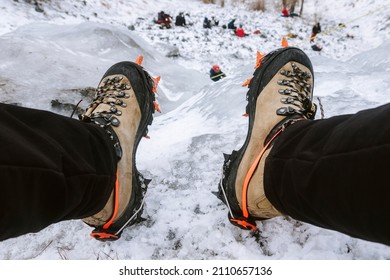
(238, 31)
(209, 23)
(165, 20)
(215, 72)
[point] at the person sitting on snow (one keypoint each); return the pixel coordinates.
(240, 31)
(316, 29)
(287, 13)
(316, 47)
(231, 24)
(213, 21)
(216, 74)
(180, 20)
(164, 20)
(206, 23)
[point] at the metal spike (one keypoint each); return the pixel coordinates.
(217, 194)
(140, 220)
(147, 181)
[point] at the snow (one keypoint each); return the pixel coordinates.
(55, 54)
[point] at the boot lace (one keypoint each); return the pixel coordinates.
(110, 92)
(297, 93)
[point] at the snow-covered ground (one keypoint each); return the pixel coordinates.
(58, 53)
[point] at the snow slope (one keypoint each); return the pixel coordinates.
(58, 53)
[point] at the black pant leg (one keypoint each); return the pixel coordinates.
(52, 168)
(335, 173)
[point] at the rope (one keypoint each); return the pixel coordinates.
(321, 108)
(75, 108)
(217, 75)
(326, 32)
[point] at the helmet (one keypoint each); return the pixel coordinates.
(216, 67)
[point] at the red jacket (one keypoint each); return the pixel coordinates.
(240, 32)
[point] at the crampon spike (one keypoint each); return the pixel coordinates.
(147, 181)
(156, 81)
(247, 82)
(259, 59)
(284, 42)
(139, 60)
(156, 106)
(216, 194)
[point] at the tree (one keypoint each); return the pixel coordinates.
(292, 5)
(258, 5)
(301, 10)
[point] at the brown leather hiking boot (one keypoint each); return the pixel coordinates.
(123, 106)
(280, 93)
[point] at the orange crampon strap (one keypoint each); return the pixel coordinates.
(101, 234)
(250, 173)
(244, 224)
(116, 204)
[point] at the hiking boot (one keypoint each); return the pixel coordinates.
(123, 106)
(280, 94)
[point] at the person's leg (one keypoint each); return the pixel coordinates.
(334, 173)
(52, 168)
(280, 94)
(331, 173)
(55, 168)
(123, 106)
